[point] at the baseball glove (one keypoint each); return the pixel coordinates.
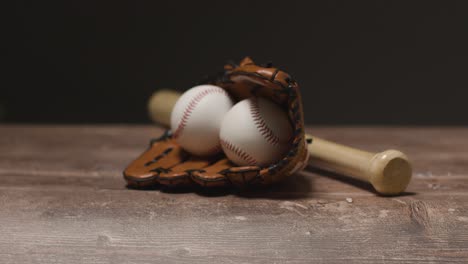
(165, 162)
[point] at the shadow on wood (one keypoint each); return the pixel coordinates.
(351, 181)
(295, 187)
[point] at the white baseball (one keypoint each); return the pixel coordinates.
(255, 131)
(196, 119)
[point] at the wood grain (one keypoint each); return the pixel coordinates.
(63, 200)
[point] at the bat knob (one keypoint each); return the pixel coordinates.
(390, 172)
(160, 106)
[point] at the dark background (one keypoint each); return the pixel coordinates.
(358, 62)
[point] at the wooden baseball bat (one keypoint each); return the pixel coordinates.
(389, 171)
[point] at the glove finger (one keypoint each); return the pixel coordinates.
(243, 176)
(160, 157)
(212, 174)
(180, 174)
(224, 172)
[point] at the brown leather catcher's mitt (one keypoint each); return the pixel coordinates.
(165, 162)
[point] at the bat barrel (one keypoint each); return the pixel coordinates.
(389, 171)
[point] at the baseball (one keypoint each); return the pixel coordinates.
(196, 119)
(255, 131)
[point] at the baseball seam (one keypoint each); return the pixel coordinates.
(239, 152)
(261, 125)
(191, 107)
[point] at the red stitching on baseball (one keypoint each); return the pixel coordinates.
(262, 127)
(239, 152)
(191, 106)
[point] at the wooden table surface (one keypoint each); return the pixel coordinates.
(63, 200)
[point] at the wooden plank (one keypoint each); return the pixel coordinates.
(137, 226)
(63, 200)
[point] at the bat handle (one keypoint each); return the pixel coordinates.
(389, 172)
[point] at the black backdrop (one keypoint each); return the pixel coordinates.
(358, 62)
